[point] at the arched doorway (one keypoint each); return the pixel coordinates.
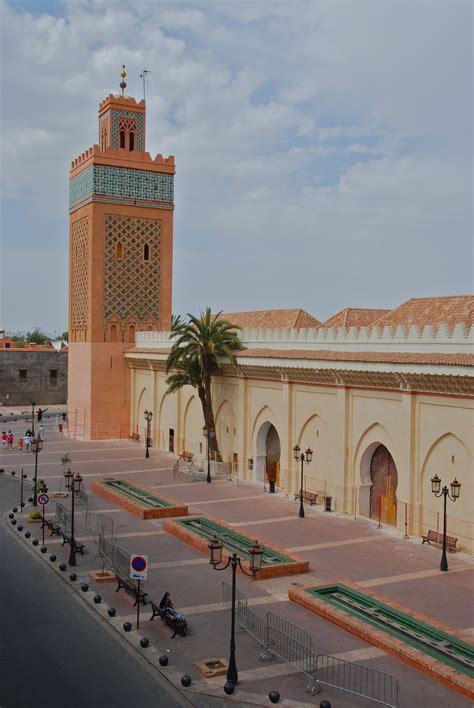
(268, 454)
(383, 492)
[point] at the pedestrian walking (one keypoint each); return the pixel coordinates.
(20, 444)
(40, 435)
(10, 440)
(4, 439)
(27, 441)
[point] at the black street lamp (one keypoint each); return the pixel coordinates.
(148, 417)
(36, 447)
(33, 404)
(438, 492)
(305, 456)
(255, 555)
(73, 484)
(209, 433)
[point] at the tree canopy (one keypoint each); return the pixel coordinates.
(201, 343)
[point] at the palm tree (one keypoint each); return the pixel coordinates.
(194, 356)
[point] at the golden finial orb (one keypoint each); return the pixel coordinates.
(123, 85)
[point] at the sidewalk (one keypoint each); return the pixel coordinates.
(336, 546)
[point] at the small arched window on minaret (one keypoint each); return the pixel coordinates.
(131, 141)
(119, 251)
(122, 139)
(113, 333)
(146, 252)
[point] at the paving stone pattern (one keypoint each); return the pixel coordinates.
(336, 547)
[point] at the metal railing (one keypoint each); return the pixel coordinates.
(99, 524)
(282, 639)
(64, 516)
(83, 498)
(290, 643)
(359, 680)
(114, 555)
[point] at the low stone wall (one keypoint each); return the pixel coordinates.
(295, 567)
(177, 508)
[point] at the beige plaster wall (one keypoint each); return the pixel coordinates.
(343, 427)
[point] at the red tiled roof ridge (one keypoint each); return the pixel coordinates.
(283, 318)
(363, 317)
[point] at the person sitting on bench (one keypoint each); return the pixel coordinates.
(166, 602)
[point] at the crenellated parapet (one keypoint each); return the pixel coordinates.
(141, 158)
(120, 98)
(441, 339)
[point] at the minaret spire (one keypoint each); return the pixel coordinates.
(123, 85)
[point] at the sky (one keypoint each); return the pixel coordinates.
(323, 149)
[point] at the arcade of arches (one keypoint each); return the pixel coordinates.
(373, 450)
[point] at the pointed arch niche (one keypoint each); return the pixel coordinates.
(449, 457)
(376, 474)
(226, 430)
(266, 444)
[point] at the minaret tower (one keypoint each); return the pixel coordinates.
(121, 245)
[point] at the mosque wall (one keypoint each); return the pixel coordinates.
(424, 434)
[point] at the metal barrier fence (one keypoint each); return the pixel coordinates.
(282, 639)
(83, 498)
(114, 554)
(99, 524)
(64, 516)
(290, 643)
(359, 680)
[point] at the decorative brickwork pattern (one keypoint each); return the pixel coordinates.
(127, 120)
(80, 275)
(132, 284)
(121, 186)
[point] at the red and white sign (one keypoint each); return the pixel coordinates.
(139, 567)
(43, 499)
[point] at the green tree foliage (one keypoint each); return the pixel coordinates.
(37, 336)
(201, 344)
(64, 336)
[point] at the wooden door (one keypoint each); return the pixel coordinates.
(383, 492)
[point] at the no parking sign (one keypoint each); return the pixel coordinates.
(43, 499)
(139, 567)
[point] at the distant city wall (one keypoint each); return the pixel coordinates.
(39, 383)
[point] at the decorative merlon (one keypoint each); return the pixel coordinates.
(391, 339)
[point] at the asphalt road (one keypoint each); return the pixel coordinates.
(53, 652)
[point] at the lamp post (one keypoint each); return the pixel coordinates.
(209, 433)
(303, 457)
(255, 555)
(444, 492)
(148, 417)
(36, 447)
(33, 404)
(73, 484)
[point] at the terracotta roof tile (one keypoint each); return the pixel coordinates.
(354, 317)
(421, 311)
(421, 358)
(272, 319)
(370, 357)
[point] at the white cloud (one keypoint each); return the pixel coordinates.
(323, 153)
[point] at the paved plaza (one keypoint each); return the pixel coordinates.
(337, 547)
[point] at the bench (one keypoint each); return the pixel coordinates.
(49, 524)
(131, 587)
(438, 539)
(308, 497)
(78, 547)
(179, 625)
(134, 436)
(186, 456)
